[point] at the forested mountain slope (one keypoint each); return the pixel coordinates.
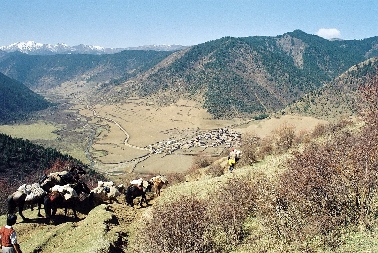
(340, 97)
(252, 75)
(228, 76)
(17, 100)
(46, 72)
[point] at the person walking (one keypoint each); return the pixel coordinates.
(8, 236)
(232, 159)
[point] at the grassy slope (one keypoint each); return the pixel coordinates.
(339, 98)
(258, 239)
(101, 228)
(98, 230)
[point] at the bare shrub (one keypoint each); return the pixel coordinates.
(178, 226)
(201, 160)
(266, 147)
(175, 178)
(303, 137)
(327, 188)
(369, 97)
(215, 170)
(227, 211)
(284, 138)
(319, 130)
(250, 149)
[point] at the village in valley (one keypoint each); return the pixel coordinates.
(221, 137)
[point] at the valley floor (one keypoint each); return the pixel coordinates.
(117, 139)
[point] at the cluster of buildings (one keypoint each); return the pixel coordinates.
(222, 137)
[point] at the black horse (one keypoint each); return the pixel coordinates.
(55, 200)
(61, 178)
(18, 200)
(134, 191)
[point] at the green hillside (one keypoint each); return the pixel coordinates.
(253, 75)
(45, 72)
(17, 100)
(339, 98)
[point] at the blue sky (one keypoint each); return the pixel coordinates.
(128, 23)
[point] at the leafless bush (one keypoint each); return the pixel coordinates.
(201, 160)
(369, 97)
(175, 178)
(284, 137)
(250, 149)
(327, 188)
(227, 211)
(215, 170)
(303, 137)
(319, 130)
(266, 147)
(280, 141)
(324, 129)
(176, 227)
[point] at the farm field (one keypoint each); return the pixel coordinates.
(36, 131)
(115, 138)
(126, 130)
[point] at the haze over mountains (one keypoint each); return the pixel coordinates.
(242, 77)
(34, 48)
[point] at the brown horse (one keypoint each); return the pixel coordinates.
(56, 199)
(134, 191)
(158, 182)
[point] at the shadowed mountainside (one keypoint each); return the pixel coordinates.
(18, 100)
(46, 72)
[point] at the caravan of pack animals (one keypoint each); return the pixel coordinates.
(67, 190)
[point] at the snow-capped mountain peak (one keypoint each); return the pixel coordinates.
(22, 46)
(34, 48)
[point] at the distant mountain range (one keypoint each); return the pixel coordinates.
(34, 48)
(243, 77)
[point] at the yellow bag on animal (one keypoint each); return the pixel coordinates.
(231, 161)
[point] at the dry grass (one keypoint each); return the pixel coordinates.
(145, 124)
(86, 235)
(124, 130)
(35, 131)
